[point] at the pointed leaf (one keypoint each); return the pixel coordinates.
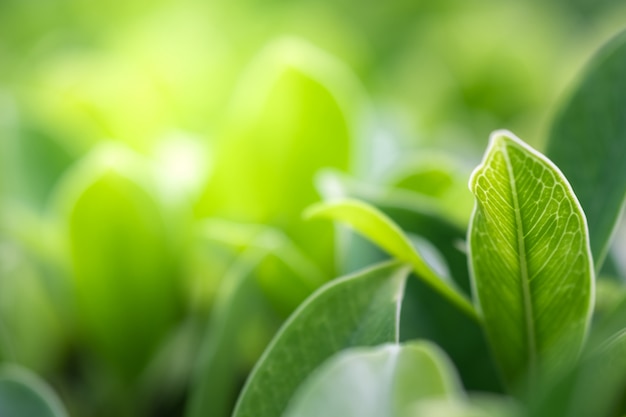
(529, 257)
(357, 310)
(382, 230)
(383, 381)
(588, 143)
(24, 394)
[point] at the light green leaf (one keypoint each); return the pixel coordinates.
(383, 381)
(477, 406)
(588, 143)
(529, 257)
(121, 258)
(293, 104)
(357, 310)
(382, 230)
(22, 393)
(440, 177)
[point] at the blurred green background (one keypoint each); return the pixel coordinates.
(152, 150)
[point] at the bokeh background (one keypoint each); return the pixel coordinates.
(151, 152)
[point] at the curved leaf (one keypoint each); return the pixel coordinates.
(121, 256)
(588, 143)
(529, 257)
(425, 313)
(292, 105)
(357, 310)
(382, 381)
(271, 275)
(382, 230)
(22, 393)
(236, 301)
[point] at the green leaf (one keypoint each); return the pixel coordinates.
(426, 314)
(271, 275)
(529, 258)
(383, 381)
(238, 300)
(588, 143)
(477, 406)
(382, 230)
(292, 106)
(441, 178)
(22, 393)
(595, 384)
(121, 259)
(357, 310)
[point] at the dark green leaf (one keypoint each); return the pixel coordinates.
(23, 394)
(588, 143)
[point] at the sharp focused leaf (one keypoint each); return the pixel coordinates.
(24, 394)
(383, 381)
(529, 257)
(588, 143)
(382, 230)
(357, 310)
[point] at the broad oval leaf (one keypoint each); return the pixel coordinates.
(376, 226)
(358, 310)
(121, 256)
(22, 393)
(529, 257)
(292, 105)
(383, 381)
(588, 143)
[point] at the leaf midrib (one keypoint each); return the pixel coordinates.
(521, 251)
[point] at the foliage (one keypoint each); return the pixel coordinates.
(184, 235)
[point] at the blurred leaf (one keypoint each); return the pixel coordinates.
(6, 347)
(588, 143)
(477, 406)
(294, 105)
(441, 178)
(381, 381)
(357, 310)
(121, 259)
(41, 160)
(609, 293)
(271, 273)
(237, 301)
(379, 228)
(30, 324)
(530, 259)
(286, 274)
(23, 394)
